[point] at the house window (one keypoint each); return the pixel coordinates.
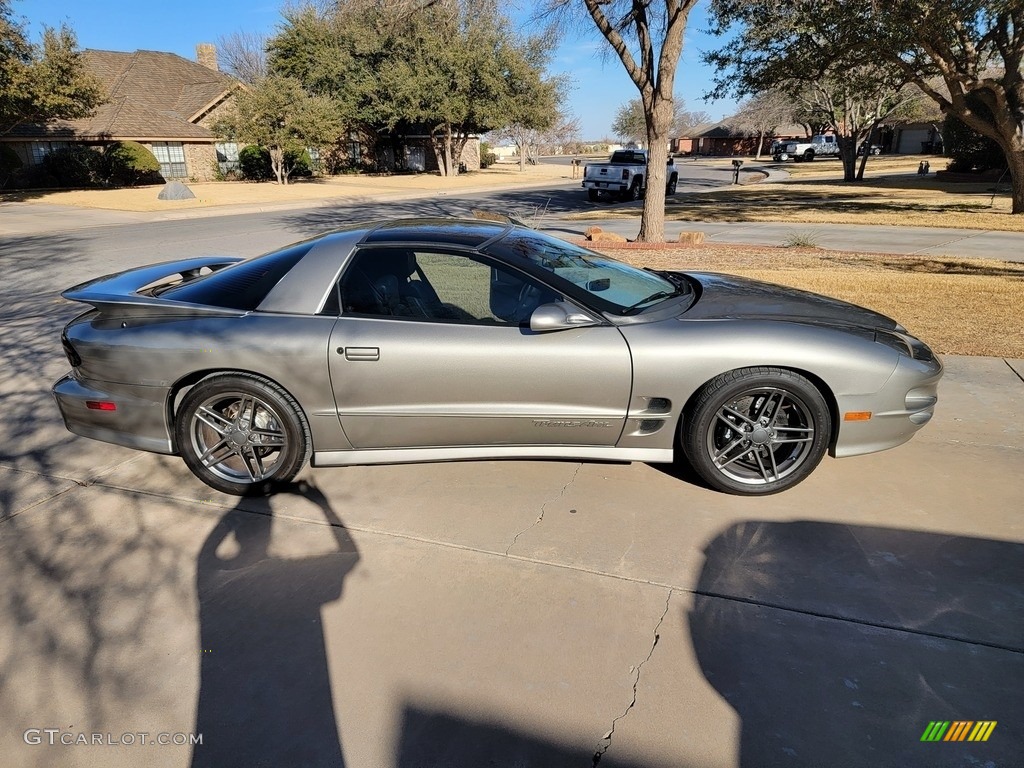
(315, 163)
(227, 156)
(171, 156)
(41, 149)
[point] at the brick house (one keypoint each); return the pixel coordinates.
(728, 138)
(161, 100)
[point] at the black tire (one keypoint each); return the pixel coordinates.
(242, 434)
(593, 195)
(809, 155)
(756, 431)
(633, 192)
(876, 150)
(671, 188)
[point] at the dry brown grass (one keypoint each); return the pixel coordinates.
(958, 306)
(891, 194)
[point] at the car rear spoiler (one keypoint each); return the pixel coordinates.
(124, 288)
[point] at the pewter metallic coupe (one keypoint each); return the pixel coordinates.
(430, 340)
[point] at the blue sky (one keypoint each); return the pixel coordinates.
(601, 84)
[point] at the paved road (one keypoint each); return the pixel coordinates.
(494, 613)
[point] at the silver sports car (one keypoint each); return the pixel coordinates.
(430, 340)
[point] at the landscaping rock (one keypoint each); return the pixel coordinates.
(605, 237)
(175, 190)
(691, 238)
(592, 231)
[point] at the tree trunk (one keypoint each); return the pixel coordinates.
(659, 122)
(760, 145)
(277, 164)
(1015, 160)
(442, 146)
(848, 154)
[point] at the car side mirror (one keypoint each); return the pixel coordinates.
(559, 316)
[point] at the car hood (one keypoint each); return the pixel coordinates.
(726, 296)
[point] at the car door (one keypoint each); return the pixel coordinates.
(433, 349)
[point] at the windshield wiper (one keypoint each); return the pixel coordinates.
(652, 297)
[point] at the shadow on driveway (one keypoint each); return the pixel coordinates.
(265, 690)
(838, 644)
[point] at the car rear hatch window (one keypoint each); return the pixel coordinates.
(241, 286)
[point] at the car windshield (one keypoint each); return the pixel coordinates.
(601, 281)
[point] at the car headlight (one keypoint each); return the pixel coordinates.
(905, 345)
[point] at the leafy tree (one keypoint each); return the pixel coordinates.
(647, 37)
(452, 68)
(40, 82)
(975, 49)
(805, 53)
(277, 113)
(630, 124)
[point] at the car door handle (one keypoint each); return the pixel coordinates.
(370, 354)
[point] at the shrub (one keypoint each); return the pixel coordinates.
(10, 164)
(254, 163)
(487, 157)
(72, 166)
(127, 163)
(969, 150)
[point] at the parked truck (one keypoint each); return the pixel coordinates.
(818, 146)
(624, 176)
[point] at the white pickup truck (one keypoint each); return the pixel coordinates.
(624, 176)
(818, 146)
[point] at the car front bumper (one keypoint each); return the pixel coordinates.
(904, 404)
(138, 419)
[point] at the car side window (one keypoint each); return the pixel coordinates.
(436, 286)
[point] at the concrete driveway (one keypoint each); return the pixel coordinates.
(502, 613)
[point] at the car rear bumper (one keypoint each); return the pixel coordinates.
(605, 186)
(904, 405)
(138, 419)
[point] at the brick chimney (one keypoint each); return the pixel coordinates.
(206, 54)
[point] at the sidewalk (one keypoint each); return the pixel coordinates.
(908, 241)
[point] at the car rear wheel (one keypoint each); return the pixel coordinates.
(594, 195)
(633, 192)
(756, 431)
(671, 188)
(242, 434)
(809, 155)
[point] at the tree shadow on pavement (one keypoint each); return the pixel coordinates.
(265, 691)
(837, 644)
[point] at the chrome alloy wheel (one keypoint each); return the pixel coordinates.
(761, 436)
(238, 437)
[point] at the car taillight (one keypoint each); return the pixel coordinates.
(625, 174)
(69, 351)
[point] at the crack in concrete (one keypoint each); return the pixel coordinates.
(1014, 370)
(543, 508)
(606, 740)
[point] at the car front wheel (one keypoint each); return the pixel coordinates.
(756, 431)
(242, 434)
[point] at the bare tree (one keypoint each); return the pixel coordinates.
(243, 55)
(763, 113)
(647, 37)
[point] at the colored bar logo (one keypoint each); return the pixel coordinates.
(958, 730)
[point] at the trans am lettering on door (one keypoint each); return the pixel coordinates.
(571, 423)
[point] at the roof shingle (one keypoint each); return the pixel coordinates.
(151, 95)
